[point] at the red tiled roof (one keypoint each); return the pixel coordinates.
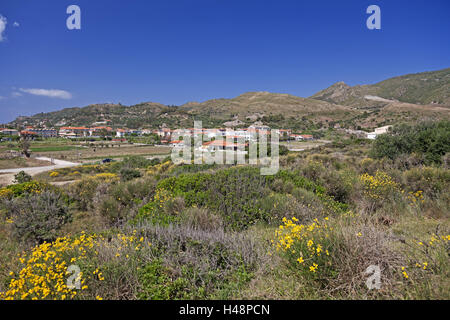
(28, 132)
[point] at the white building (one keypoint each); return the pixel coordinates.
(377, 132)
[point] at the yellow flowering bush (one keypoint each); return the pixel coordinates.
(106, 176)
(306, 246)
(32, 187)
(379, 187)
(54, 174)
(154, 209)
(6, 193)
(160, 168)
(416, 198)
(427, 263)
(45, 272)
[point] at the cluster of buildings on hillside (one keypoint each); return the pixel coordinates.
(169, 136)
(165, 134)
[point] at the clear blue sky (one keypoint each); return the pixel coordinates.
(177, 51)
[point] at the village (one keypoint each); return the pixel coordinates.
(167, 136)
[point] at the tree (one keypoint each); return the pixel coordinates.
(24, 146)
(22, 177)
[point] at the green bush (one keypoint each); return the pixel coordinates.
(133, 162)
(38, 217)
(127, 174)
(22, 189)
(157, 283)
(431, 139)
(22, 177)
(121, 199)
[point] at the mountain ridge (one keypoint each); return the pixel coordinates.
(361, 105)
(430, 87)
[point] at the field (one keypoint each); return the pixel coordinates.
(80, 152)
(319, 228)
(304, 145)
(21, 163)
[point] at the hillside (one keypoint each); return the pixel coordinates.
(419, 88)
(408, 98)
(119, 115)
(270, 108)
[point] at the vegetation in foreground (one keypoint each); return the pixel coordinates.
(145, 229)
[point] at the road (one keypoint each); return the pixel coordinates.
(7, 175)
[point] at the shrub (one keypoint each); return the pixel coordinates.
(313, 170)
(339, 185)
(431, 139)
(173, 206)
(127, 174)
(54, 174)
(379, 187)
(157, 283)
(154, 211)
(133, 162)
(32, 187)
(151, 262)
(38, 217)
(83, 191)
(119, 202)
(22, 177)
(333, 257)
(431, 181)
(204, 263)
(44, 270)
(201, 219)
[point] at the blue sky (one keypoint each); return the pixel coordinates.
(177, 51)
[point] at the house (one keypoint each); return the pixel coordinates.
(285, 132)
(28, 134)
(307, 137)
(296, 137)
(371, 135)
(9, 132)
(382, 130)
(177, 143)
(74, 132)
(97, 130)
(45, 133)
(222, 145)
(120, 133)
(163, 133)
(147, 131)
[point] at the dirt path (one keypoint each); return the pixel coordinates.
(7, 175)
